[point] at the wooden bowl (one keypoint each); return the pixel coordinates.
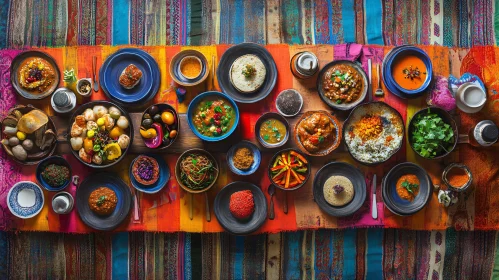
(177, 169)
(333, 146)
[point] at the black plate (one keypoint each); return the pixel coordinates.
(393, 201)
(106, 104)
(225, 218)
(15, 66)
(340, 169)
(223, 72)
(122, 209)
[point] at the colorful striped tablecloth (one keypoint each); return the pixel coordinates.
(168, 211)
(462, 23)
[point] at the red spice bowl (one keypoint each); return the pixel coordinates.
(457, 169)
(298, 166)
(57, 160)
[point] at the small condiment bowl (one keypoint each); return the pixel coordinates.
(257, 158)
(187, 59)
(261, 120)
(300, 98)
(58, 160)
(464, 187)
(333, 146)
(69, 206)
(466, 89)
(176, 74)
(82, 82)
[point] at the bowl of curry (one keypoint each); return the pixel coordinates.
(342, 84)
(318, 133)
(409, 70)
(406, 189)
(34, 74)
(272, 130)
(212, 116)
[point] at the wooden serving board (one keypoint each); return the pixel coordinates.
(186, 139)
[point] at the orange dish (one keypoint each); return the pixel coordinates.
(408, 187)
(409, 72)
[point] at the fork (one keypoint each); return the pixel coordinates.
(379, 90)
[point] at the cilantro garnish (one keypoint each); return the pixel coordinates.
(218, 109)
(409, 186)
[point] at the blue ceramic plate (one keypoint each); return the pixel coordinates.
(25, 199)
(192, 108)
(58, 160)
(340, 169)
(257, 158)
(113, 67)
(123, 206)
(387, 71)
(225, 64)
(225, 217)
(164, 176)
(393, 201)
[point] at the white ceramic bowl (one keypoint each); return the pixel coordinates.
(470, 98)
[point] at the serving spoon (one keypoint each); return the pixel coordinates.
(271, 191)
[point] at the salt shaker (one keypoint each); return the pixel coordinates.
(484, 134)
(63, 100)
(304, 65)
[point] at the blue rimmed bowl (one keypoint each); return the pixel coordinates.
(192, 108)
(397, 54)
(25, 199)
(58, 160)
(177, 75)
(164, 176)
(257, 158)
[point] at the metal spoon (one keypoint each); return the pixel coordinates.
(94, 70)
(271, 191)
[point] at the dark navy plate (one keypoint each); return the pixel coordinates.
(113, 67)
(257, 158)
(58, 160)
(229, 222)
(25, 199)
(393, 201)
(340, 169)
(228, 58)
(123, 206)
(164, 176)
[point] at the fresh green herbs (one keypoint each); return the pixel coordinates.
(410, 187)
(101, 200)
(249, 71)
(431, 136)
(218, 109)
(70, 76)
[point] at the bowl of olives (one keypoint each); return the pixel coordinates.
(159, 126)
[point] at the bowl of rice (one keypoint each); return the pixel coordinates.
(373, 133)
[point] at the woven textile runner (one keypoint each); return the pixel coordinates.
(168, 210)
(53, 23)
(323, 254)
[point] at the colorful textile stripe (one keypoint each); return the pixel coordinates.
(459, 23)
(322, 254)
(169, 211)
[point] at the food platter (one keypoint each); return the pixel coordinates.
(225, 217)
(226, 64)
(113, 67)
(122, 207)
(48, 83)
(353, 175)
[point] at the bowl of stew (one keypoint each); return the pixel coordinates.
(342, 84)
(318, 133)
(272, 130)
(212, 116)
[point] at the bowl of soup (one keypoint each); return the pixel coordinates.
(212, 116)
(272, 130)
(409, 69)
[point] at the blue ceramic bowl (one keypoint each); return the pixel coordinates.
(390, 196)
(113, 66)
(164, 176)
(403, 51)
(257, 158)
(58, 160)
(25, 199)
(192, 108)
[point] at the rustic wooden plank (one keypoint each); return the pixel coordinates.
(186, 138)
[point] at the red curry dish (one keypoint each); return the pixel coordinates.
(102, 201)
(343, 84)
(317, 132)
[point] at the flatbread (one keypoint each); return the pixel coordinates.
(343, 197)
(239, 81)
